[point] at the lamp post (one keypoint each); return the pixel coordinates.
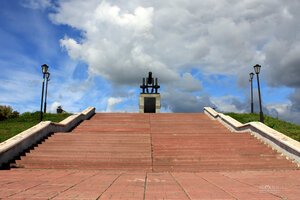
(251, 78)
(257, 70)
(44, 70)
(47, 80)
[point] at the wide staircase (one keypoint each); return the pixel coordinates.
(153, 142)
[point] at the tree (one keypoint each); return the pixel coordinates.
(6, 112)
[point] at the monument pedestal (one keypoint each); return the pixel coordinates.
(149, 103)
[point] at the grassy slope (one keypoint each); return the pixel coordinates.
(287, 128)
(11, 127)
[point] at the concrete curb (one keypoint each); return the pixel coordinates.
(282, 143)
(12, 147)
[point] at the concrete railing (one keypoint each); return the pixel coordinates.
(277, 140)
(12, 147)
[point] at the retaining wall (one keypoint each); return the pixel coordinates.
(12, 147)
(277, 140)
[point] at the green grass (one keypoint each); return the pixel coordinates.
(287, 128)
(11, 127)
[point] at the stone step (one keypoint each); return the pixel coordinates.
(109, 130)
(94, 145)
(158, 142)
(156, 161)
(100, 151)
(157, 168)
(112, 148)
(119, 167)
(195, 168)
(69, 161)
(87, 158)
(87, 154)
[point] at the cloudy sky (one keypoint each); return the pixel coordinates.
(201, 51)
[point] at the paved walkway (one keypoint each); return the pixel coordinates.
(91, 184)
(151, 156)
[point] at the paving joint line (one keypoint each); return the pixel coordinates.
(33, 186)
(218, 187)
(188, 196)
(109, 186)
(23, 179)
(145, 186)
(73, 186)
(281, 197)
(26, 189)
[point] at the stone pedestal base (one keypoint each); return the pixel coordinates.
(149, 103)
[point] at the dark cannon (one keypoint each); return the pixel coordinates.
(149, 83)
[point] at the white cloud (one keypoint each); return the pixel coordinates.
(189, 84)
(283, 111)
(121, 41)
(171, 37)
(111, 102)
(53, 107)
(71, 93)
(224, 104)
(19, 86)
(140, 20)
(115, 44)
(184, 102)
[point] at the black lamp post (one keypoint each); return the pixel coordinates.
(47, 80)
(44, 70)
(251, 78)
(257, 70)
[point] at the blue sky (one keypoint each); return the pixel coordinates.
(202, 52)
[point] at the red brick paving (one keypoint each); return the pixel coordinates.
(151, 156)
(91, 184)
(163, 186)
(127, 186)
